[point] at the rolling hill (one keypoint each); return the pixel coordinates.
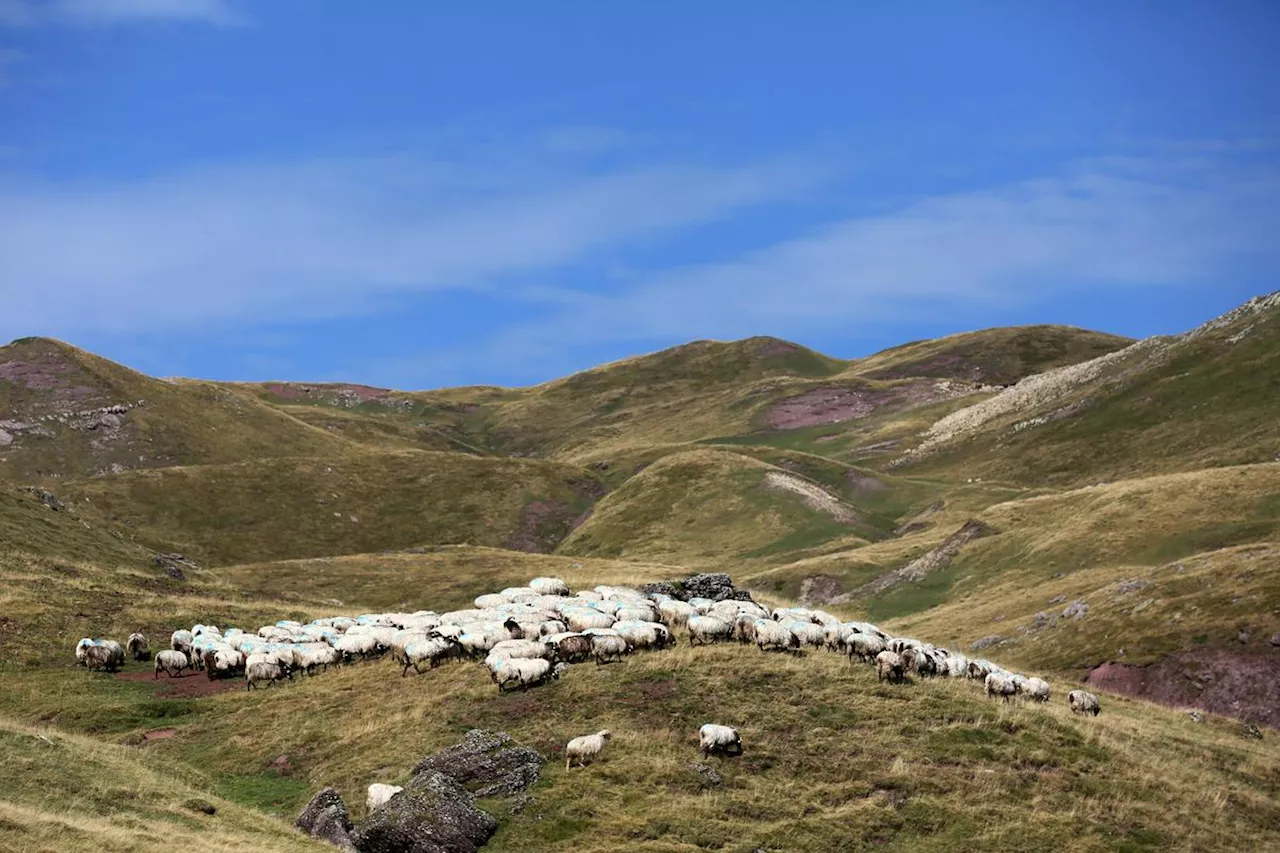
(1071, 503)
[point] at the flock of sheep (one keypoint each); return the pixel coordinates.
(528, 635)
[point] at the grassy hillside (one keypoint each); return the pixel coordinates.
(67, 413)
(992, 356)
(1207, 398)
(356, 502)
(708, 508)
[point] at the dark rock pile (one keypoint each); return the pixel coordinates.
(436, 812)
(716, 586)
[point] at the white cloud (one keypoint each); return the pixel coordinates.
(291, 243)
(1114, 222)
(92, 13)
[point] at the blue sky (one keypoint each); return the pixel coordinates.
(420, 194)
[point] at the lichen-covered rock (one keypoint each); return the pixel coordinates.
(326, 818)
(486, 763)
(716, 586)
(433, 814)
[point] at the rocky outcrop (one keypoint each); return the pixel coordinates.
(485, 763)
(934, 560)
(433, 814)
(716, 586)
(326, 818)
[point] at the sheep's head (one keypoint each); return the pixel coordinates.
(605, 734)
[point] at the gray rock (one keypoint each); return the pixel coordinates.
(1057, 599)
(1195, 716)
(707, 775)
(326, 818)
(1244, 636)
(486, 763)
(433, 814)
(1075, 610)
(716, 586)
(47, 498)
(1275, 639)
(986, 642)
(660, 588)
(1249, 730)
(5, 438)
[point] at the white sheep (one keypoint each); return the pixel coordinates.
(170, 662)
(137, 647)
(379, 794)
(1001, 685)
(1083, 702)
(549, 586)
(523, 672)
(771, 635)
(585, 748)
(890, 666)
(259, 668)
(181, 641)
(607, 647)
(865, 646)
(719, 739)
(1036, 689)
(675, 613)
(708, 629)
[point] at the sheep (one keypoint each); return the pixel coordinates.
(585, 748)
(170, 662)
(136, 646)
(889, 666)
(432, 649)
(570, 647)
(81, 648)
(219, 663)
(980, 669)
(523, 672)
(675, 613)
(865, 646)
(708, 629)
(808, 633)
(259, 668)
(181, 641)
(606, 648)
(1001, 685)
(1036, 689)
(1083, 702)
(774, 636)
(549, 586)
(719, 739)
(581, 620)
(355, 645)
(379, 794)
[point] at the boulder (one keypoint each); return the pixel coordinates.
(326, 818)
(486, 763)
(433, 814)
(716, 586)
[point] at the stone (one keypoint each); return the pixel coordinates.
(1195, 716)
(6, 439)
(716, 586)
(1057, 599)
(986, 642)
(1244, 636)
(1075, 610)
(1275, 639)
(326, 818)
(660, 588)
(707, 775)
(486, 763)
(433, 814)
(47, 498)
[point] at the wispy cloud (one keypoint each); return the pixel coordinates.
(95, 13)
(1128, 222)
(299, 242)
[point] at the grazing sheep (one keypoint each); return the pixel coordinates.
(890, 666)
(708, 629)
(607, 648)
(523, 672)
(221, 663)
(744, 628)
(1083, 702)
(379, 794)
(1001, 685)
(585, 748)
(520, 649)
(549, 586)
(675, 613)
(771, 635)
(171, 662)
(1036, 689)
(865, 646)
(431, 649)
(713, 739)
(137, 647)
(570, 647)
(259, 668)
(808, 633)
(181, 641)
(584, 618)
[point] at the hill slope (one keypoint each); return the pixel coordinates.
(67, 413)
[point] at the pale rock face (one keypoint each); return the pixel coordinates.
(5, 438)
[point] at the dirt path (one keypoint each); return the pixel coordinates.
(190, 685)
